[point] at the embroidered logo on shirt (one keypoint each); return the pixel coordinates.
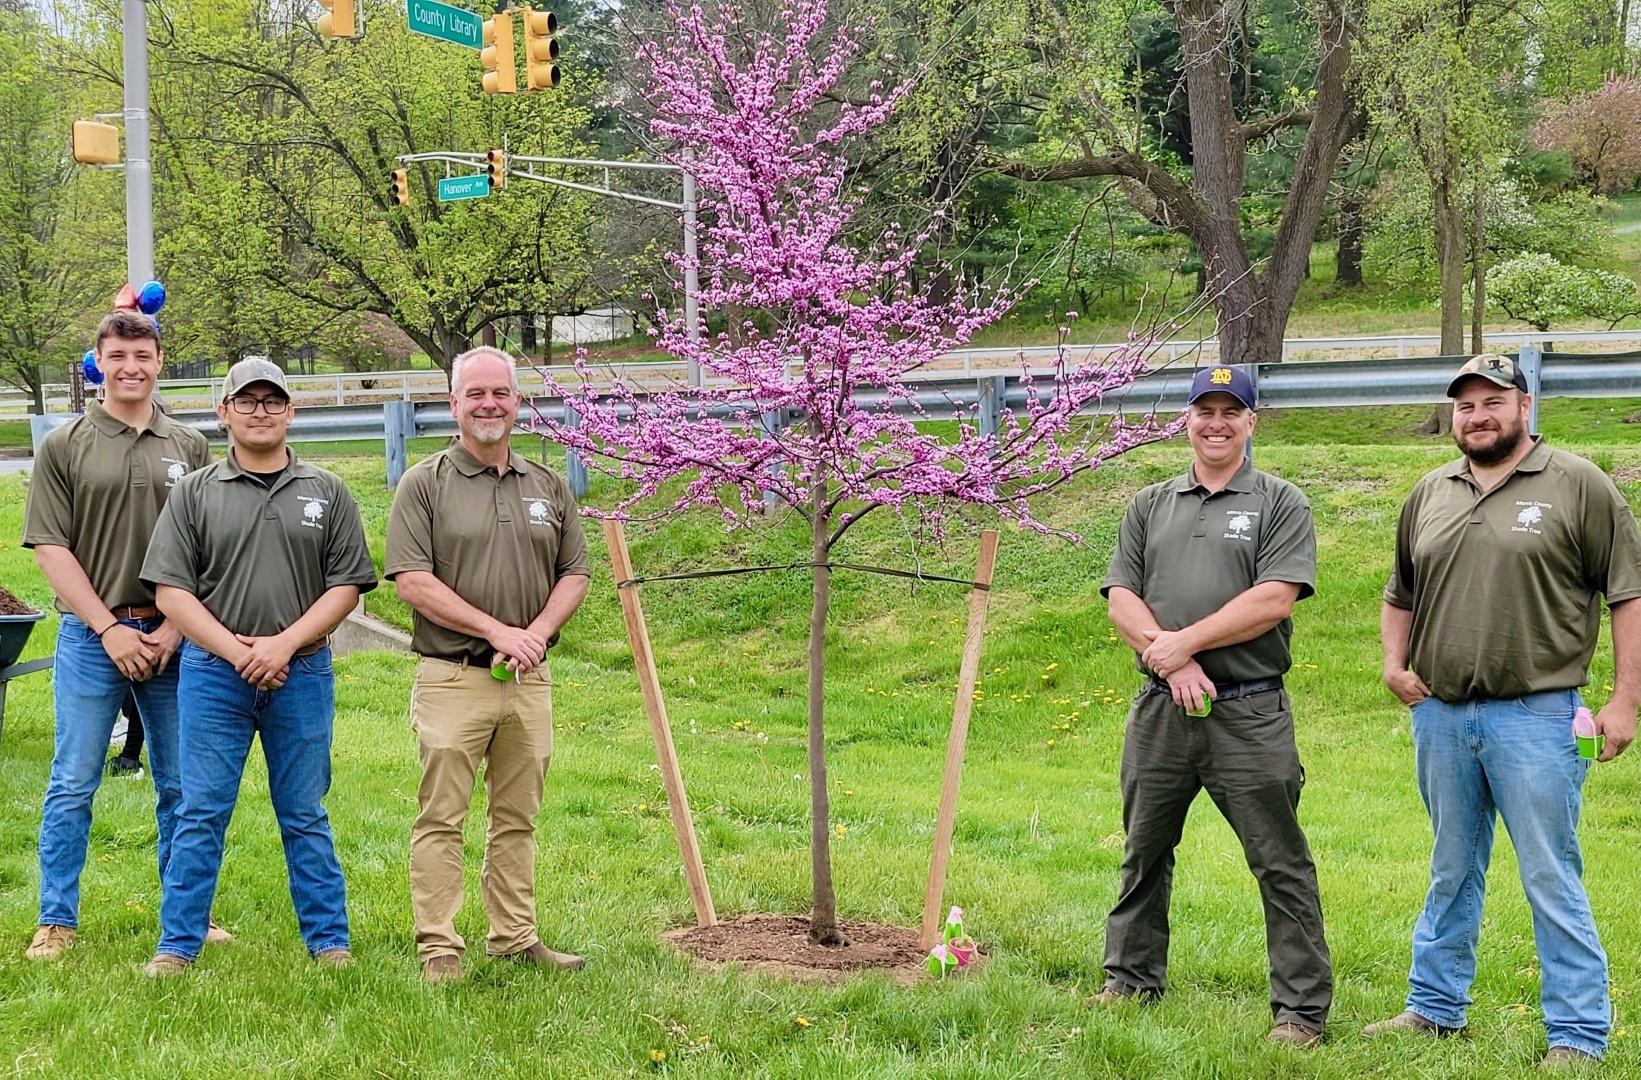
(1239, 524)
(1531, 514)
(538, 511)
(312, 511)
(175, 470)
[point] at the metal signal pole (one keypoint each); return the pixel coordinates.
(139, 177)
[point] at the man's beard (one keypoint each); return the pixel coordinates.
(488, 431)
(1507, 443)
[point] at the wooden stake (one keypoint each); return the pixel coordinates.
(615, 536)
(929, 935)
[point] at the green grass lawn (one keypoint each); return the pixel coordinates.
(1038, 839)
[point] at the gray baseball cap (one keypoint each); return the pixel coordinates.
(253, 369)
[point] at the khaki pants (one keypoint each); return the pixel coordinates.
(462, 716)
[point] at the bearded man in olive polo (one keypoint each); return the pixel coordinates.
(487, 547)
(1202, 586)
(257, 559)
(1490, 618)
(98, 485)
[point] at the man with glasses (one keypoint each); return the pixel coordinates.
(97, 489)
(256, 559)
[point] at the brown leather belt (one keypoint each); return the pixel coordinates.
(135, 611)
(312, 647)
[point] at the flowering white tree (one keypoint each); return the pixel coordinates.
(840, 323)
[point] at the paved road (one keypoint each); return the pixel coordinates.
(8, 465)
(1628, 228)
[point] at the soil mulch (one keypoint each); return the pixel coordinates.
(779, 944)
(10, 605)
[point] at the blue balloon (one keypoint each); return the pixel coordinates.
(150, 298)
(88, 365)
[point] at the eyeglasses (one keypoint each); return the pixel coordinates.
(273, 406)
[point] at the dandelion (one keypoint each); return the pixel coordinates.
(801, 1021)
(658, 1056)
(1051, 742)
(842, 829)
(643, 807)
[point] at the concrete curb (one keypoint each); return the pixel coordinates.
(360, 632)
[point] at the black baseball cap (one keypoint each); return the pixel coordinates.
(1223, 380)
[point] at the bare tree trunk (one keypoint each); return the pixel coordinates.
(1347, 265)
(823, 919)
(1478, 268)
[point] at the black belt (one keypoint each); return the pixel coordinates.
(1231, 692)
(484, 659)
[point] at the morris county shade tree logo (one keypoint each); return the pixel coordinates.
(1529, 517)
(1239, 524)
(174, 471)
(312, 510)
(538, 511)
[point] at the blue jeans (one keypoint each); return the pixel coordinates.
(87, 689)
(1517, 758)
(220, 713)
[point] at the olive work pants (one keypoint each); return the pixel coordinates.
(463, 716)
(1243, 753)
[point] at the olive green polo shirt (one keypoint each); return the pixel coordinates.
(97, 490)
(499, 541)
(257, 557)
(1505, 587)
(1187, 553)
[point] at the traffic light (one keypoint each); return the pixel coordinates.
(340, 20)
(96, 144)
(540, 49)
(401, 187)
(500, 76)
(495, 167)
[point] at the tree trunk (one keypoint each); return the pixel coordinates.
(1347, 265)
(823, 919)
(1450, 252)
(1478, 267)
(527, 334)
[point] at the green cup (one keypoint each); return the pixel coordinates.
(1590, 746)
(501, 671)
(1207, 707)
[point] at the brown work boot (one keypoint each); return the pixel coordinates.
(50, 942)
(338, 957)
(167, 965)
(216, 935)
(1409, 1021)
(1297, 1035)
(540, 954)
(1567, 1057)
(446, 967)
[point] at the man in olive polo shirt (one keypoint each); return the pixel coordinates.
(487, 547)
(1202, 584)
(1490, 618)
(256, 558)
(98, 485)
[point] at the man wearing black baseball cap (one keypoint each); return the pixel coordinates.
(1202, 585)
(1490, 618)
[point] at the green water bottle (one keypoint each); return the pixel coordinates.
(500, 670)
(1207, 706)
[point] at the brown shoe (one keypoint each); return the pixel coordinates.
(336, 958)
(1297, 1035)
(167, 965)
(216, 935)
(1409, 1021)
(446, 967)
(540, 954)
(1567, 1057)
(1112, 996)
(50, 942)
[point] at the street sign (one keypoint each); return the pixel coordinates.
(445, 22)
(454, 188)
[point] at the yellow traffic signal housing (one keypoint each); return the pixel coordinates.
(401, 187)
(500, 74)
(495, 167)
(96, 144)
(540, 50)
(340, 20)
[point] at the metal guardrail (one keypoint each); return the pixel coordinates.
(1323, 384)
(348, 388)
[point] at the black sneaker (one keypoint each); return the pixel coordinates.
(126, 768)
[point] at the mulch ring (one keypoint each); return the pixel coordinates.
(779, 944)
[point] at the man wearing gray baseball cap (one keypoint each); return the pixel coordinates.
(257, 558)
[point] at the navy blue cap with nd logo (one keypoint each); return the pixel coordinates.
(1223, 380)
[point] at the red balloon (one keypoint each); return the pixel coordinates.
(126, 298)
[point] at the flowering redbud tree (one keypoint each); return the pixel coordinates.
(840, 325)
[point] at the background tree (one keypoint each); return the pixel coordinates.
(833, 318)
(1600, 131)
(1539, 289)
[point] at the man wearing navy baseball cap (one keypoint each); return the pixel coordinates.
(1202, 585)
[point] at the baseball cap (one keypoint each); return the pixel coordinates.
(253, 369)
(1223, 380)
(1494, 367)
